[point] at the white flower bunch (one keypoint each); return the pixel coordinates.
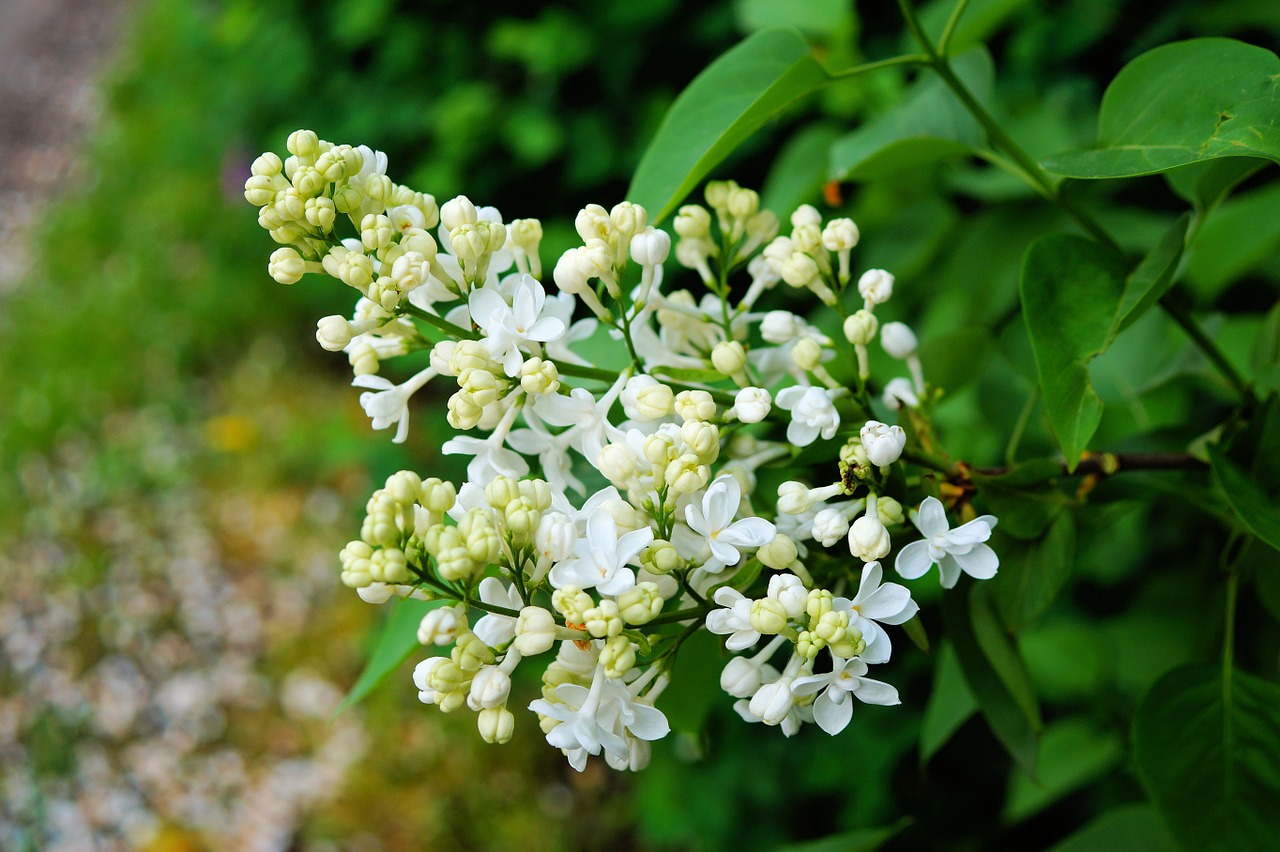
(606, 515)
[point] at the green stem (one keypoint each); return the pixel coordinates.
(583, 372)
(679, 615)
(866, 67)
(453, 594)
(455, 331)
(944, 42)
(1024, 417)
(1183, 317)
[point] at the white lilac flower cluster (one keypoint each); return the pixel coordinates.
(609, 515)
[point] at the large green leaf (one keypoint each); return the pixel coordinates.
(397, 639)
(1031, 576)
(1248, 473)
(799, 171)
(981, 18)
(950, 704)
(1133, 828)
(994, 672)
(1070, 288)
(1154, 274)
(1265, 358)
(725, 104)
(1206, 184)
(1244, 232)
(1208, 752)
(928, 126)
(1072, 753)
(1183, 103)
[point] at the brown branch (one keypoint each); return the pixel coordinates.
(1107, 464)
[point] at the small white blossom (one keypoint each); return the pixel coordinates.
(713, 520)
(832, 710)
(883, 443)
(812, 414)
(952, 550)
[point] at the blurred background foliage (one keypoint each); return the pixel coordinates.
(158, 383)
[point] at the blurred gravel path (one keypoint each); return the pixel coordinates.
(50, 54)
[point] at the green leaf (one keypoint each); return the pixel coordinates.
(397, 639)
(858, 840)
(726, 103)
(1208, 753)
(799, 171)
(1206, 184)
(1029, 579)
(1154, 275)
(1242, 234)
(1070, 288)
(929, 125)
(994, 672)
(1183, 103)
(695, 683)
(690, 374)
(980, 19)
(1133, 828)
(1072, 753)
(816, 16)
(1265, 360)
(1248, 473)
(915, 631)
(950, 705)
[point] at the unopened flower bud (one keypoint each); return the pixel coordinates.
(861, 327)
(457, 212)
(868, 539)
(489, 688)
(883, 443)
(740, 677)
(875, 286)
(645, 398)
(640, 604)
(768, 616)
(695, 405)
(286, 265)
(898, 340)
(496, 724)
(840, 235)
(333, 333)
(538, 376)
(535, 631)
(806, 354)
(573, 603)
(889, 510)
(603, 620)
(692, 222)
(660, 557)
(703, 439)
(617, 656)
(799, 270)
(651, 247)
(779, 553)
(805, 214)
(752, 404)
(729, 357)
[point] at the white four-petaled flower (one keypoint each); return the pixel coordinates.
(952, 550)
(812, 414)
(713, 520)
(832, 710)
(506, 327)
(600, 559)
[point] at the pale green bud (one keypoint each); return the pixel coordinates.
(806, 354)
(603, 620)
(501, 490)
(535, 631)
(659, 449)
(320, 213)
(442, 625)
(464, 412)
(701, 438)
(593, 223)
(807, 239)
(640, 604)
(388, 565)
(729, 357)
(483, 543)
(831, 626)
(889, 510)
(850, 645)
(304, 144)
(267, 165)
(686, 474)
(470, 653)
(458, 211)
(527, 234)
(805, 214)
(286, 265)
(808, 645)
(693, 222)
(861, 327)
(496, 724)
(628, 219)
(717, 193)
(355, 564)
(742, 203)
(768, 616)
(348, 199)
(437, 496)
(660, 557)
(521, 517)
(840, 235)
(537, 492)
(376, 232)
(617, 656)
(695, 405)
(260, 191)
(447, 676)
(538, 376)
(573, 603)
(799, 270)
(819, 603)
(405, 487)
(308, 181)
(779, 553)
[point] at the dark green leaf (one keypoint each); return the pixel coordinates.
(858, 840)
(1242, 234)
(1208, 752)
(929, 125)
(994, 672)
(1183, 103)
(1266, 352)
(1154, 274)
(1206, 184)
(725, 104)
(1248, 473)
(1133, 828)
(980, 19)
(816, 16)
(1072, 753)
(916, 633)
(950, 704)
(1070, 287)
(952, 361)
(1029, 580)
(397, 639)
(695, 683)
(689, 374)
(799, 171)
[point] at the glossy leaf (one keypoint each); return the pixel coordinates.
(1183, 103)
(930, 125)
(994, 672)
(799, 171)
(1248, 473)
(981, 18)
(397, 639)
(1072, 753)
(1206, 184)
(950, 704)
(1031, 577)
(1133, 828)
(1154, 275)
(725, 104)
(1208, 753)
(1243, 233)
(1070, 288)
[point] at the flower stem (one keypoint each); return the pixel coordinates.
(455, 331)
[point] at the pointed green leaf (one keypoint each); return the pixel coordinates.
(1206, 184)
(1133, 828)
(1183, 103)
(726, 103)
(1248, 473)
(1070, 288)
(994, 672)
(1154, 274)
(800, 170)
(1073, 752)
(950, 705)
(1031, 575)
(1208, 752)
(928, 126)
(397, 639)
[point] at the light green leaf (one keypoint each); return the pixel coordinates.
(1248, 473)
(950, 704)
(930, 125)
(822, 17)
(1070, 288)
(1072, 753)
(858, 840)
(1031, 576)
(695, 683)
(994, 672)
(725, 104)
(1183, 103)
(1154, 275)
(1208, 752)
(980, 19)
(1133, 828)
(397, 639)
(1243, 233)
(800, 170)
(1207, 183)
